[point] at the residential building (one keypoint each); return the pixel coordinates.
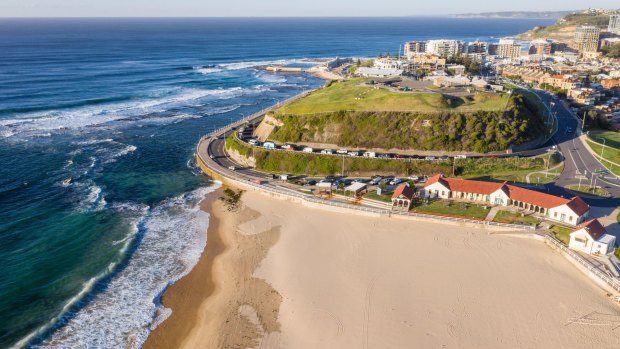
(614, 24)
(592, 238)
(477, 47)
(457, 69)
(540, 47)
(609, 42)
(583, 96)
(586, 39)
(505, 49)
(610, 83)
(413, 48)
(564, 82)
(530, 75)
(557, 46)
(445, 48)
(427, 62)
(568, 211)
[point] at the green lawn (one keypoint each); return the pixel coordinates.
(512, 169)
(562, 233)
(515, 218)
(385, 197)
(612, 138)
(588, 191)
(354, 95)
(453, 208)
(609, 154)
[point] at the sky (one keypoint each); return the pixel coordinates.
(279, 8)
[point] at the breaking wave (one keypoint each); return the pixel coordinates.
(170, 238)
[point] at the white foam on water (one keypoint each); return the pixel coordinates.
(42, 123)
(208, 71)
(127, 310)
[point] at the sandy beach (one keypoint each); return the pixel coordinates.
(279, 275)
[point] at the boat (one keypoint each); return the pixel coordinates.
(67, 182)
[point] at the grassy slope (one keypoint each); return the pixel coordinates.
(453, 209)
(353, 96)
(314, 164)
(609, 153)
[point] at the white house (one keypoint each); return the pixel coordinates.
(569, 211)
(592, 238)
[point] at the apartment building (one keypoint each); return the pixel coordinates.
(505, 49)
(614, 24)
(586, 39)
(413, 48)
(445, 48)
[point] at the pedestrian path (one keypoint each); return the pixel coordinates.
(492, 213)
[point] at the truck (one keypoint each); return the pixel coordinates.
(370, 154)
(308, 150)
(269, 145)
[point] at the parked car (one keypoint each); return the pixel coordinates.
(269, 145)
(342, 151)
(396, 181)
(253, 142)
(387, 179)
(375, 180)
(354, 153)
(385, 156)
(327, 151)
(232, 168)
(287, 147)
(310, 182)
(414, 178)
(461, 157)
(444, 158)
(370, 154)
(429, 158)
(308, 150)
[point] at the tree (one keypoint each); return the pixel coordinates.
(612, 52)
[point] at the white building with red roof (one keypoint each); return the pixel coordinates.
(402, 197)
(592, 238)
(569, 211)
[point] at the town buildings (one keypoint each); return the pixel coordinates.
(506, 49)
(413, 48)
(445, 48)
(614, 24)
(540, 47)
(586, 39)
(567, 211)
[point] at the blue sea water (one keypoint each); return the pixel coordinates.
(118, 106)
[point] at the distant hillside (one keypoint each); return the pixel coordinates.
(517, 14)
(564, 28)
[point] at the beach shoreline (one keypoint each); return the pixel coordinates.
(331, 280)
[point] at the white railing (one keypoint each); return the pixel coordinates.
(612, 282)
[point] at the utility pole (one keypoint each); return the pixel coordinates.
(342, 174)
(453, 166)
(583, 122)
(603, 150)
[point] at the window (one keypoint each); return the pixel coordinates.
(443, 193)
(555, 215)
(570, 218)
(583, 241)
(562, 217)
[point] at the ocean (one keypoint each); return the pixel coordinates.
(118, 105)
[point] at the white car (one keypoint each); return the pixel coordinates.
(414, 178)
(286, 146)
(327, 151)
(253, 142)
(232, 168)
(370, 154)
(396, 181)
(308, 150)
(461, 157)
(429, 158)
(342, 151)
(354, 153)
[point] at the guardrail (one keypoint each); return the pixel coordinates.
(612, 282)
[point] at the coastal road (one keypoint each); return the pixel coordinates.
(580, 166)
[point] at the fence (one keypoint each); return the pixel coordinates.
(612, 282)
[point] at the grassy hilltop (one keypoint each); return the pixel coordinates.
(352, 114)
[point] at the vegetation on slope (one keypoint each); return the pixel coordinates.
(479, 131)
(564, 28)
(314, 164)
